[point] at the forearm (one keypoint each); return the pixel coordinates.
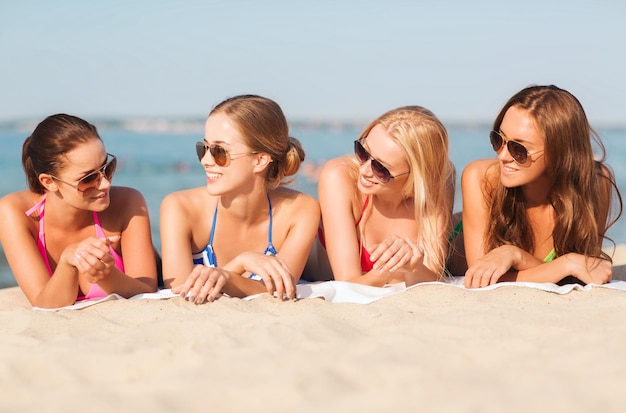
(238, 286)
(423, 274)
(119, 283)
(61, 290)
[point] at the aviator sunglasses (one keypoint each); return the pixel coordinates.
(93, 179)
(518, 152)
(378, 169)
(220, 155)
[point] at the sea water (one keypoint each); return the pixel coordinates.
(157, 161)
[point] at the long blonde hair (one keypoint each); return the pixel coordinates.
(424, 141)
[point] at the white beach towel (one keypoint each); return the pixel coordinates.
(344, 292)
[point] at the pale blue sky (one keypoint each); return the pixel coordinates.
(327, 59)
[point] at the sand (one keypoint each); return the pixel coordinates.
(432, 348)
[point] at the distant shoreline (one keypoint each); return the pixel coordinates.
(196, 124)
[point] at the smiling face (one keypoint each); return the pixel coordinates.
(518, 126)
(83, 160)
(385, 150)
(221, 130)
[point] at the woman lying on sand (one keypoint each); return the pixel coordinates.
(386, 210)
(539, 212)
(245, 231)
(95, 239)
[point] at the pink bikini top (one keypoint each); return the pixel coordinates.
(94, 291)
(366, 263)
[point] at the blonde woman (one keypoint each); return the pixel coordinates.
(244, 232)
(539, 212)
(386, 211)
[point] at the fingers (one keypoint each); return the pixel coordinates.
(204, 284)
(277, 278)
(480, 277)
(93, 262)
(396, 254)
(482, 274)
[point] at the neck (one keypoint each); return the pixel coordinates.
(249, 207)
(391, 202)
(61, 214)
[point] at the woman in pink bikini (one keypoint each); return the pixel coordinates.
(72, 236)
(386, 212)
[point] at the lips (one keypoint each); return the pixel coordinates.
(366, 182)
(212, 176)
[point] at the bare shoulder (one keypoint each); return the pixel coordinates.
(20, 199)
(338, 170)
(288, 198)
(17, 203)
(337, 181)
(187, 201)
(126, 194)
(476, 172)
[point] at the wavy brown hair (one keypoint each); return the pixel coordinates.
(582, 187)
(264, 128)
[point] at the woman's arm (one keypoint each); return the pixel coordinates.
(176, 238)
(475, 210)
(137, 250)
(30, 272)
(336, 194)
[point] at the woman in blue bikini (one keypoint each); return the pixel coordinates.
(72, 236)
(540, 211)
(386, 211)
(245, 232)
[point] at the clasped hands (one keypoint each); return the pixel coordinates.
(205, 284)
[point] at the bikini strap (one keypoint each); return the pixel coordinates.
(210, 254)
(37, 206)
(270, 250)
(367, 200)
(99, 231)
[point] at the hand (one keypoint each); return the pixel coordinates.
(274, 271)
(92, 258)
(204, 284)
(590, 270)
(397, 254)
(490, 268)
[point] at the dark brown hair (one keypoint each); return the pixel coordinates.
(43, 150)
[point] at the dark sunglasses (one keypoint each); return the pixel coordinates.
(93, 179)
(378, 169)
(220, 155)
(518, 152)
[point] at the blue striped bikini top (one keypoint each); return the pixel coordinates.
(207, 255)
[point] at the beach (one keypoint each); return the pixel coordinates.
(430, 348)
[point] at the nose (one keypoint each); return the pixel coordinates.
(504, 154)
(207, 159)
(366, 168)
(103, 179)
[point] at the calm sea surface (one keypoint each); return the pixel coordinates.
(157, 163)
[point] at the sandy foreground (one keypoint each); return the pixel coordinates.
(431, 348)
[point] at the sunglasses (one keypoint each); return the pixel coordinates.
(93, 179)
(220, 155)
(518, 152)
(378, 169)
